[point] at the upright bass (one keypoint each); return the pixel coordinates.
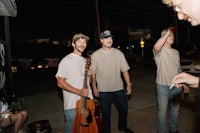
(85, 110)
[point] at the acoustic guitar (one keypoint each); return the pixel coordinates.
(85, 110)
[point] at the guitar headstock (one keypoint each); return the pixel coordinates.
(88, 63)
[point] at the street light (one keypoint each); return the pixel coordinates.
(142, 45)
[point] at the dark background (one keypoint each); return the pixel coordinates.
(61, 19)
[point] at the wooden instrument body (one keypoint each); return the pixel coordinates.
(85, 109)
(81, 123)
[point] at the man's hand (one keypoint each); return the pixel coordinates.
(185, 78)
(128, 90)
(84, 92)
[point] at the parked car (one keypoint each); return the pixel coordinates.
(39, 64)
(190, 66)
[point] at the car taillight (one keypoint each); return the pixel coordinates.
(46, 66)
(32, 68)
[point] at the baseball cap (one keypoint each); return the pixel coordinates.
(80, 35)
(105, 34)
(163, 32)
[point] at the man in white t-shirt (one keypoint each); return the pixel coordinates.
(70, 77)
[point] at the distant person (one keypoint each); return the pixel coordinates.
(9, 118)
(108, 64)
(70, 77)
(168, 64)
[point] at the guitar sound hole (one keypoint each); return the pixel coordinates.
(89, 118)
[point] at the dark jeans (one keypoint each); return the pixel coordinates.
(198, 104)
(119, 99)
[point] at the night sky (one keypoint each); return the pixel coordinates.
(59, 19)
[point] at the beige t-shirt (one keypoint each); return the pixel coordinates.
(168, 64)
(108, 65)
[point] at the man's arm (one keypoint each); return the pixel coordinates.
(94, 86)
(160, 42)
(66, 86)
(128, 82)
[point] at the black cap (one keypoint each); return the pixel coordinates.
(105, 34)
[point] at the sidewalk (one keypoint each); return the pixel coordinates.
(144, 120)
(142, 113)
(141, 120)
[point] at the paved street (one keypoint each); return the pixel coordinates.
(40, 96)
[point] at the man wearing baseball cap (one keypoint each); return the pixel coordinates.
(167, 60)
(70, 77)
(78, 36)
(108, 64)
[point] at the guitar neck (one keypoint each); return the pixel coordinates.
(84, 99)
(85, 80)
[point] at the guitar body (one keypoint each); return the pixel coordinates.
(87, 123)
(85, 110)
(98, 116)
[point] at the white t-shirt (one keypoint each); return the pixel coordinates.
(72, 67)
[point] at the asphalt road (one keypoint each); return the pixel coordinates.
(39, 91)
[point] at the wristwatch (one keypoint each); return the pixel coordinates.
(129, 84)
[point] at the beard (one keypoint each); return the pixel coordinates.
(80, 49)
(108, 45)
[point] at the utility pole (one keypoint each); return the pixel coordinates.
(176, 28)
(98, 23)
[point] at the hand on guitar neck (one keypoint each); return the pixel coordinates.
(84, 92)
(88, 72)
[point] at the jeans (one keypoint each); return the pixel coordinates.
(70, 116)
(165, 95)
(119, 99)
(197, 106)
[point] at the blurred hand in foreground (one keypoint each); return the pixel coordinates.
(185, 78)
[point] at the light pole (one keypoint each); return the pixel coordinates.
(98, 22)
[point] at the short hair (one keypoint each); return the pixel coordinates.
(163, 32)
(168, 2)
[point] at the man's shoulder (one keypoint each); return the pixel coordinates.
(96, 52)
(66, 58)
(117, 50)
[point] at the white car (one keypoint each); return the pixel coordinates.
(190, 65)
